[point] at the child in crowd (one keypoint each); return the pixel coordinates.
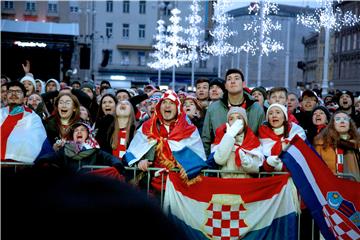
(236, 147)
(275, 135)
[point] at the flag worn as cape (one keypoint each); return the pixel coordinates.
(261, 208)
(334, 203)
(23, 136)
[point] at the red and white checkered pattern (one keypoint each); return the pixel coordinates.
(338, 226)
(171, 95)
(224, 221)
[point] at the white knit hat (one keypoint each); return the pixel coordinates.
(239, 110)
(29, 78)
(282, 107)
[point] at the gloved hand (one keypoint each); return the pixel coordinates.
(275, 162)
(245, 159)
(235, 128)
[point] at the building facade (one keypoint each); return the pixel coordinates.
(274, 70)
(344, 56)
(38, 31)
(124, 38)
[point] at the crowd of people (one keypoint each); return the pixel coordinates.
(222, 125)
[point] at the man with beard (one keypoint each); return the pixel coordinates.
(23, 135)
(168, 140)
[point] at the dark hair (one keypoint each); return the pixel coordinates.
(234, 70)
(105, 82)
(16, 83)
(201, 80)
(100, 113)
(75, 82)
(123, 90)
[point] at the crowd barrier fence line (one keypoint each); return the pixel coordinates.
(205, 172)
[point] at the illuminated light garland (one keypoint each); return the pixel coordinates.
(160, 61)
(194, 32)
(220, 47)
(328, 17)
(176, 54)
(261, 28)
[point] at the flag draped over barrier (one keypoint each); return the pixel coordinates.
(333, 202)
(261, 208)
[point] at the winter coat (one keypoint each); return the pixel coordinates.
(216, 115)
(69, 158)
(351, 156)
(228, 149)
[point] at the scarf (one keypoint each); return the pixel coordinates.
(249, 143)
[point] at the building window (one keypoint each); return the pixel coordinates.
(74, 9)
(354, 41)
(343, 43)
(52, 7)
(348, 42)
(141, 30)
(30, 6)
(109, 6)
(109, 30)
(142, 7)
(126, 29)
(125, 59)
(8, 5)
(126, 6)
(202, 63)
(141, 59)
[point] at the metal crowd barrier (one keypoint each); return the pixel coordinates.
(15, 166)
(134, 171)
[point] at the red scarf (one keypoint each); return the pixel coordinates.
(320, 127)
(267, 132)
(339, 160)
(250, 141)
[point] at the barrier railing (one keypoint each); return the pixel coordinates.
(134, 174)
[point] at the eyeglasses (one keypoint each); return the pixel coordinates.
(342, 119)
(65, 103)
(17, 92)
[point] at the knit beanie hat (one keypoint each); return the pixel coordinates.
(324, 109)
(260, 89)
(29, 78)
(345, 92)
(218, 82)
(282, 107)
(239, 110)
